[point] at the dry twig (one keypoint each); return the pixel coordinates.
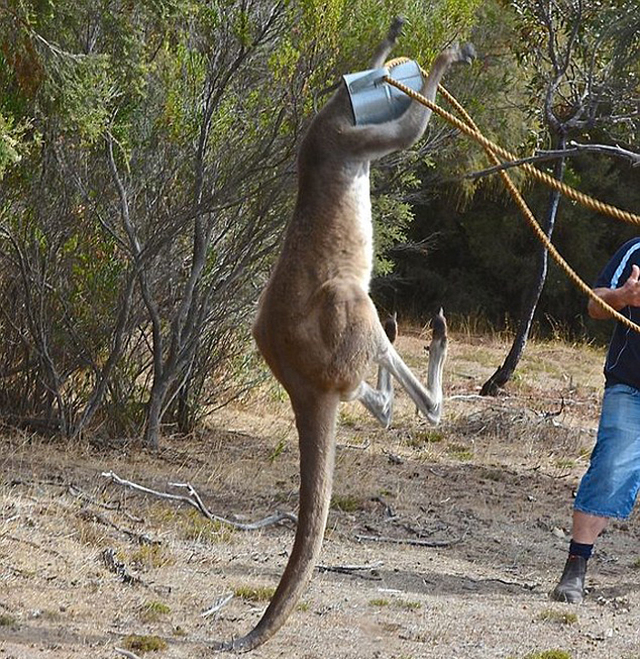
(75, 491)
(356, 447)
(409, 541)
(118, 567)
(140, 538)
(126, 653)
(362, 571)
(222, 601)
(193, 499)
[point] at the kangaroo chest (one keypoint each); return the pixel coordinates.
(362, 224)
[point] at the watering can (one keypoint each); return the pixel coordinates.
(373, 100)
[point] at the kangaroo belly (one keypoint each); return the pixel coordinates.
(331, 343)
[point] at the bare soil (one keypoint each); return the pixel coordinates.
(458, 532)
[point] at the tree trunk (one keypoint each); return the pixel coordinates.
(492, 386)
(184, 413)
(154, 413)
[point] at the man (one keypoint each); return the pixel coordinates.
(610, 486)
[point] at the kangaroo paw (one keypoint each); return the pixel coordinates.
(396, 28)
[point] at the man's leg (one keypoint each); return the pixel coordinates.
(586, 529)
(608, 489)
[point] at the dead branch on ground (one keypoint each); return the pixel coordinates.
(126, 653)
(219, 603)
(410, 541)
(193, 499)
(369, 571)
(140, 538)
(355, 447)
(506, 582)
(75, 491)
(118, 567)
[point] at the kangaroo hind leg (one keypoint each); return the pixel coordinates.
(379, 401)
(428, 399)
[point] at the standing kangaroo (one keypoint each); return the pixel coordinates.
(317, 327)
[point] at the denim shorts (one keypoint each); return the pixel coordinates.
(610, 486)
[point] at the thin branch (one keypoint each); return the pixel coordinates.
(75, 491)
(575, 150)
(126, 653)
(526, 586)
(357, 447)
(116, 566)
(410, 541)
(223, 601)
(368, 572)
(194, 500)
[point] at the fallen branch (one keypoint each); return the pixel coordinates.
(75, 491)
(526, 586)
(140, 538)
(194, 500)
(467, 397)
(118, 567)
(223, 601)
(355, 570)
(409, 541)
(355, 447)
(126, 653)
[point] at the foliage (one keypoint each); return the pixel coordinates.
(561, 617)
(153, 611)
(147, 154)
(146, 168)
(481, 255)
(549, 654)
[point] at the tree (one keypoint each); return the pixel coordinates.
(586, 80)
(149, 178)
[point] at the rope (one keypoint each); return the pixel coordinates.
(471, 129)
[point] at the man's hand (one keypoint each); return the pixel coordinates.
(628, 295)
(630, 290)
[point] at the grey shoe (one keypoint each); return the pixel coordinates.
(571, 586)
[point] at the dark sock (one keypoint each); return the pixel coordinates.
(579, 549)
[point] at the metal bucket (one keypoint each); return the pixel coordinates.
(374, 101)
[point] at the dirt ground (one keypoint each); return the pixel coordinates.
(442, 543)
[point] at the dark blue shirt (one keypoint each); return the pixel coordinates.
(623, 357)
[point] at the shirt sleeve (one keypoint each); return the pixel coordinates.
(617, 271)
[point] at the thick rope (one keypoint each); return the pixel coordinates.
(472, 130)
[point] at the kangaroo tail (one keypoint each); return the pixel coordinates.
(315, 422)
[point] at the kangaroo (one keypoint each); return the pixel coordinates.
(316, 325)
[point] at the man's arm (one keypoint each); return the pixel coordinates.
(628, 295)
